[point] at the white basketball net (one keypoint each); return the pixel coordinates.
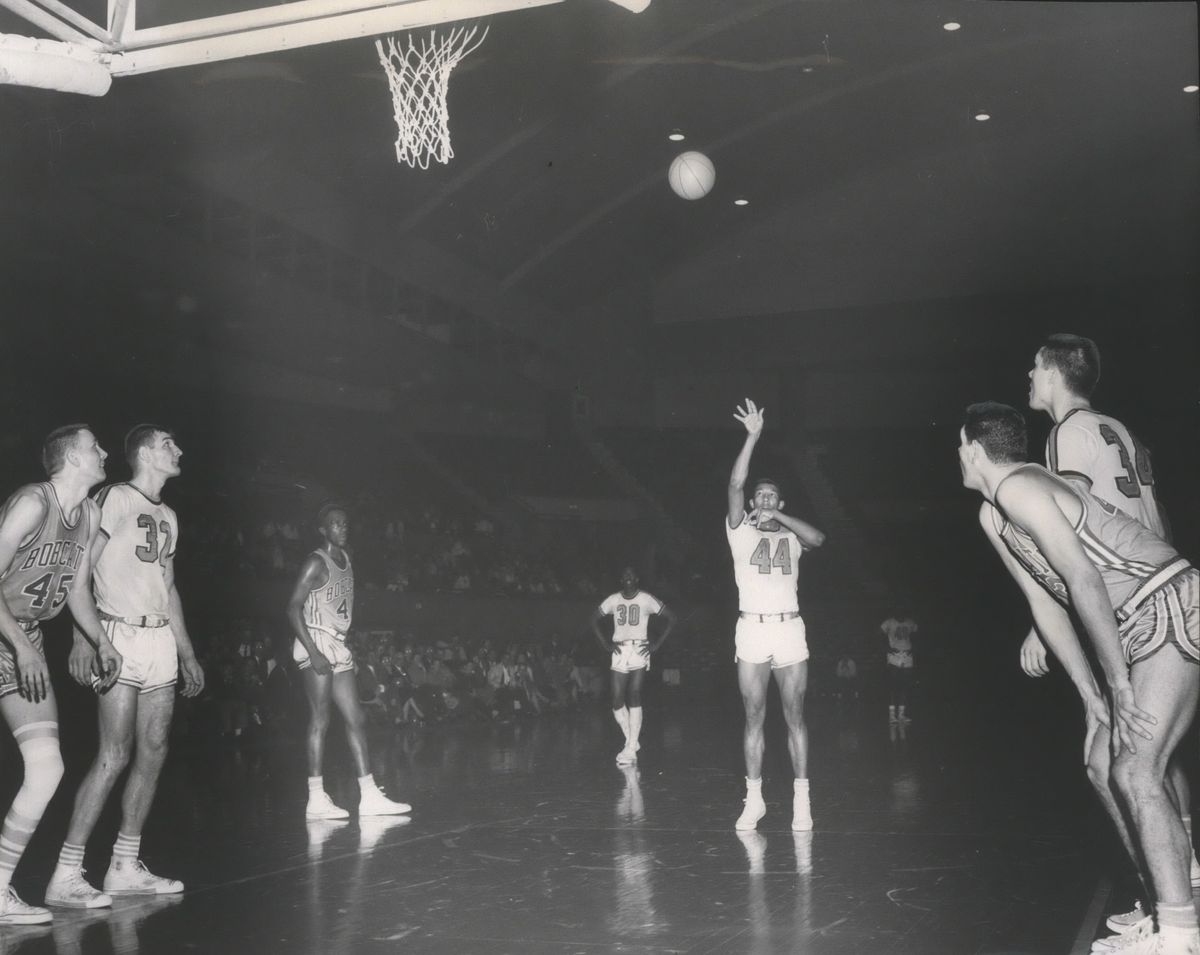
(419, 75)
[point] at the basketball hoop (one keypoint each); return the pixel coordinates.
(419, 75)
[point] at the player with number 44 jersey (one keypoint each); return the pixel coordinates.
(770, 640)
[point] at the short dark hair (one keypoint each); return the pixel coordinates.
(767, 480)
(328, 508)
(999, 429)
(1077, 360)
(56, 445)
(142, 436)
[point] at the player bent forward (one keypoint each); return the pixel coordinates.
(766, 545)
(319, 611)
(631, 609)
(1067, 548)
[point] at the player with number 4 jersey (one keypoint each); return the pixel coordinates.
(770, 640)
(320, 610)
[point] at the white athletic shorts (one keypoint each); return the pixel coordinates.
(333, 648)
(149, 657)
(778, 642)
(627, 657)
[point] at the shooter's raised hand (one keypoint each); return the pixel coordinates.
(751, 416)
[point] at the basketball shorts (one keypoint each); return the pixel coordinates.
(627, 657)
(8, 663)
(1170, 615)
(780, 643)
(149, 657)
(333, 648)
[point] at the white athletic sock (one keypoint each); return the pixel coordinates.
(754, 786)
(126, 848)
(800, 785)
(366, 783)
(1176, 920)
(622, 718)
(316, 784)
(635, 726)
(70, 857)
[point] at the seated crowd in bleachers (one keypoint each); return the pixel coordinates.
(253, 690)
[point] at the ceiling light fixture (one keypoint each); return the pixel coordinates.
(983, 117)
(1191, 89)
(951, 26)
(741, 202)
(676, 136)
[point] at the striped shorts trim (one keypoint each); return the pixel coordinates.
(1170, 615)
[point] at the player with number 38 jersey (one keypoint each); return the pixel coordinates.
(141, 534)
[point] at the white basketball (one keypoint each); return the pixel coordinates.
(692, 175)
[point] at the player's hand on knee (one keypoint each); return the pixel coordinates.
(1034, 661)
(1129, 721)
(1096, 717)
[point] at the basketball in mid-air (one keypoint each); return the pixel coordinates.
(691, 175)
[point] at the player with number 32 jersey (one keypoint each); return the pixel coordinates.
(141, 537)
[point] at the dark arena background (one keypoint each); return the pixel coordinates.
(518, 370)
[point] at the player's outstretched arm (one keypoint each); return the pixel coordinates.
(598, 615)
(751, 418)
(189, 666)
(313, 574)
(23, 514)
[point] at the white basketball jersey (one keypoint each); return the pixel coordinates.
(765, 566)
(631, 615)
(1102, 451)
(141, 537)
(331, 606)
